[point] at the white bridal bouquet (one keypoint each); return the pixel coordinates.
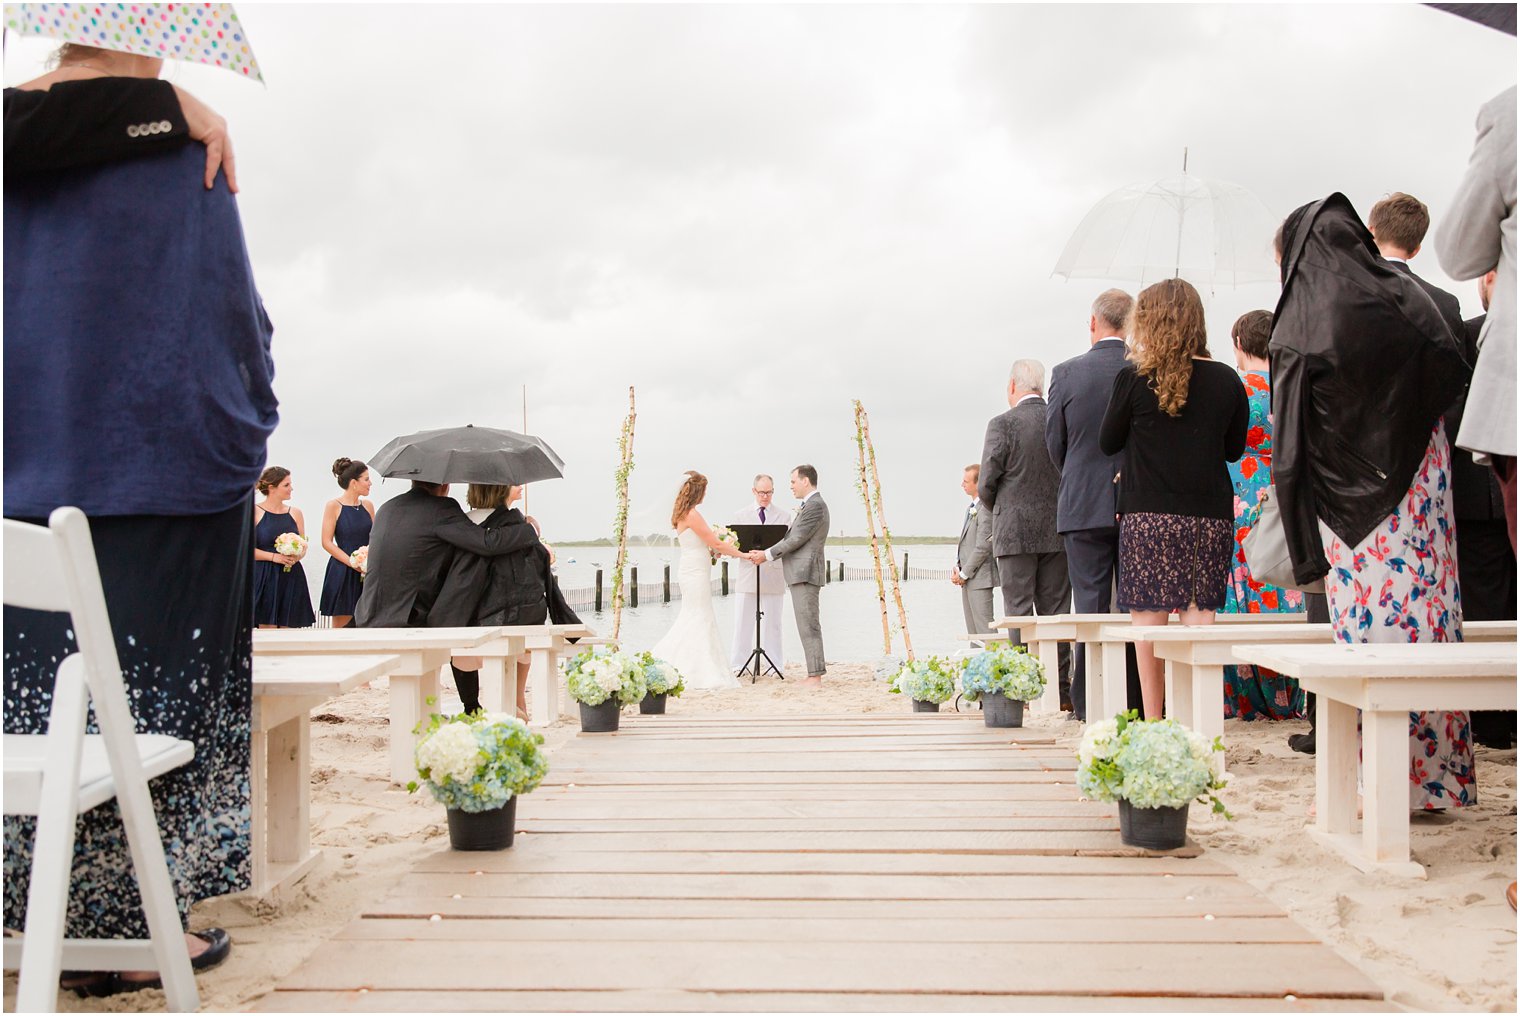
(728, 536)
(601, 672)
(931, 680)
(660, 678)
(478, 761)
(1149, 763)
(291, 545)
(1008, 669)
(360, 558)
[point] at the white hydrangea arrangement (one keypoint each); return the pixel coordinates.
(1008, 669)
(931, 680)
(660, 677)
(478, 761)
(1149, 763)
(601, 672)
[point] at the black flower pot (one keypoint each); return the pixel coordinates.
(483, 830)
(998, 710)
(602, 719)
(1153, 828)
(652, 704)
(920, 706)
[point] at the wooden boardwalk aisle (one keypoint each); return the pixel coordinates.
(819, 863)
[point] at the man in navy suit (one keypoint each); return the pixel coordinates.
(1086, 508)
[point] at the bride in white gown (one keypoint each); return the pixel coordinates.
(692, 644)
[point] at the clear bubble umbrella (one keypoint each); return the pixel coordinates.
(1209, 232)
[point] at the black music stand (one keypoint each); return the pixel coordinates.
(759, 537)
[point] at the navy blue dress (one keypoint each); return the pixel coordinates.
(342, 585)
(280, 597)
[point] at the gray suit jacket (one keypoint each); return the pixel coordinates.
(801, 550)
(1079, 392)
(1478, 233)
(974, 554)
(1019, 482)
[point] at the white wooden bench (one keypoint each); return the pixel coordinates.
(423, 652)
(547, 644)
(1195, 657)
(1107, 692)
(285, 691)
(1386, 681)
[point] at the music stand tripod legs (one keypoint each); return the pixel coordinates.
(759, 654)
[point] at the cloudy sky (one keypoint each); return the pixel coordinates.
(754, 214)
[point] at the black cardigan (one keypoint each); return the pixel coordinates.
(1176, 465)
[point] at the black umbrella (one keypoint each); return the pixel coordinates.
(468, 455)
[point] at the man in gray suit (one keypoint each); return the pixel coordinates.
(1086, 514)
(1019, 484)
(974, 568)
(801, 553)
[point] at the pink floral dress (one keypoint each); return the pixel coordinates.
(1400, 585)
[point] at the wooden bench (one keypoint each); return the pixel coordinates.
(547, 644)
(1386, 681)
(423, 651)
(1195, 657)
(1107, 690)
(285, 691)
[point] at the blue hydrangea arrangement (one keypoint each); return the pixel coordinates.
(600, 672)
(478, 761)
(1008, 669)
(660, 677)
(1149, 763)
(931, 680)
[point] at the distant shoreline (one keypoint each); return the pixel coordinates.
(833, 541)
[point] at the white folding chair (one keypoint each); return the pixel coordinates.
(57, 775)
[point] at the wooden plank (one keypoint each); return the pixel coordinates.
(699, 1001)
(533, 855)
(832, 886)
(772, 777)
(791, 762)
(1100, 819)
(467, 904)
(1044, 841)
(1044, 968)
(604, 807)
(1053, 789)
(1011, 929)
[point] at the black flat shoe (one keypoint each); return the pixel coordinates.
(1302, 742)
(219, 947)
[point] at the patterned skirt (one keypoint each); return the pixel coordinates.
(1171, 562)
(179, 593)
(1399, 584)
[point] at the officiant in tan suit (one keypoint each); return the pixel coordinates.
(975, 568)
(772, 589)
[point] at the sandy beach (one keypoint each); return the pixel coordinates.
(1446, 944)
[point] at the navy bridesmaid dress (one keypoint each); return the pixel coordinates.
(280, 597)
(342, 585)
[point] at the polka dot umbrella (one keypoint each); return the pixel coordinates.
(200, 33)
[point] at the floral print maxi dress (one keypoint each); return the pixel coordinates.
(1399, 584)
(1252, 692)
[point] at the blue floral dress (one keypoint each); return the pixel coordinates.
(1252, 692)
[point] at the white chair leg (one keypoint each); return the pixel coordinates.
(47, 899)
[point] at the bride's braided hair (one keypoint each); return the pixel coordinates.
(688, 497)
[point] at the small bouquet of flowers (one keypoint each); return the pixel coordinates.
(290, 545)
(360, 558)
(660, 678)
(1008, 669)
(1149, 763)
(601, 672)
(478, 761)
(931, 680)
(728, 536)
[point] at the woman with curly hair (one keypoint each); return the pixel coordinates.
(692, 645)
(1180, 418)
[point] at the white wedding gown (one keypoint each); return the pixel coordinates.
(691, 645)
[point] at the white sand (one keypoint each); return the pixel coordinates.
(1447, 943)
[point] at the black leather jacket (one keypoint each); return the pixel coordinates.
(1363, 366)
(520, 588)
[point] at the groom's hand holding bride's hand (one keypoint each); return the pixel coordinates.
(756, 556)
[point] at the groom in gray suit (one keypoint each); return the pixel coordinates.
(802, 553)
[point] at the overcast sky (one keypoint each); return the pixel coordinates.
(755, 214)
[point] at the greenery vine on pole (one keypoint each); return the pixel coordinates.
(886, 534)
(865, 495)
(620, 523)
